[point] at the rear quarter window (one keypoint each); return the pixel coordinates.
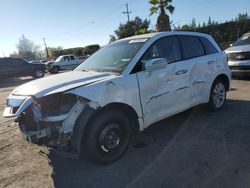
(191, 47)
(209, 47)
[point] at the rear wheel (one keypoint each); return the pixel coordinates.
(218, 95)
(107, 137)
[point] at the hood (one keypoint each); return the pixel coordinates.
(49, 62)
(242, 48)
(36, 62)
(59, 83)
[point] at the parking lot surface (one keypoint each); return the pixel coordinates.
(197, 148)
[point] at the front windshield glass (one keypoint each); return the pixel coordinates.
(113, 57)
(244, 40)
(59, 59)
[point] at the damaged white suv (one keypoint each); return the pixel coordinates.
(123, 88)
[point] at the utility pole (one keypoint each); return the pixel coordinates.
(47, 52)
(127, 12)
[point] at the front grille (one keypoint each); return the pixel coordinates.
(240, 67)
(240, 56)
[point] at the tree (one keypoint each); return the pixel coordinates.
(133, 27)
(186, 28)
(112, 38)
(88, 50)
(209, 22)
(28, 50)
(163, 22)
(193, 25)
(54, 52)
(242, 17)
(224, 33)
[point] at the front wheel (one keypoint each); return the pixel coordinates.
(55, 70)
(39, 73)
(218, 95)
(107, 137)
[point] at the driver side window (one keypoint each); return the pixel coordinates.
(167, 47)
(66, 58)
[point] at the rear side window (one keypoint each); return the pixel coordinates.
(72, 58)
(191, 47)
(167, 48)
(209, 47)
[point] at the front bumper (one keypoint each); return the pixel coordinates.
(37, 127)
(240, 67)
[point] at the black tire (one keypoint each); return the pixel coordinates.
(218, 95)
(107, 137)
(55, 70)
(38, 73)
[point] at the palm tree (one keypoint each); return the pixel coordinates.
(163, 23)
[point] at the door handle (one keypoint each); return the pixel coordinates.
(181, 72)
(210, 62)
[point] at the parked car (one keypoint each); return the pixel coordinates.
(239, 56)
(64, 62)
(15, 67)
(123, 88)
(45, 60)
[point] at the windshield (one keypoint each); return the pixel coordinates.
(113, 57)
(244, 40)
(59, 59)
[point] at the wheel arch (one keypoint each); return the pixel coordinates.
(89, 114)
(126, 109)
(225, 79)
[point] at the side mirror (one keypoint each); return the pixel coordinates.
(153, 64)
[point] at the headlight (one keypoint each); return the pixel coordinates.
(15, 101)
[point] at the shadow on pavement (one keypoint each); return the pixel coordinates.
(197, 148)
(13, 82)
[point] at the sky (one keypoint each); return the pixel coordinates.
(77, 23)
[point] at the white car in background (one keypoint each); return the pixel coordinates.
(64, 62)
(239, 56)
(124, 87)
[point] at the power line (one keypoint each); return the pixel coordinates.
(82, 27)
(47, 53)
(127, 12)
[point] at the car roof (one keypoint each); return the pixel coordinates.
(168, 33)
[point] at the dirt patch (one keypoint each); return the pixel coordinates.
(197, 148)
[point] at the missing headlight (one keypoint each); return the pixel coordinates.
(57, 104)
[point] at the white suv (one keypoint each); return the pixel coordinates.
(123, 88)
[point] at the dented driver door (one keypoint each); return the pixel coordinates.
(159, 87)
(157, 93)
